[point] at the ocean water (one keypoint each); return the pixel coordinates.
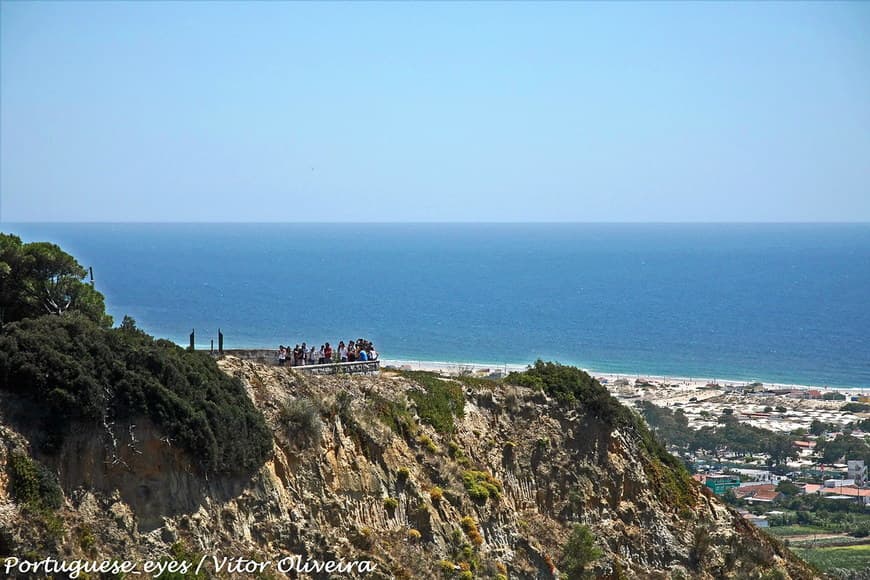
(781, 303)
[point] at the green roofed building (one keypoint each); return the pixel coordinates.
(722, 483)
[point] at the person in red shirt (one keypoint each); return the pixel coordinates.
(327, 353)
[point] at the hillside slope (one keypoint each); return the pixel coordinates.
(373, 468)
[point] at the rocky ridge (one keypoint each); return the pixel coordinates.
(355, 474)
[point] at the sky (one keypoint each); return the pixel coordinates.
(394, 112)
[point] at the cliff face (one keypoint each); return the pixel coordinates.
(354, 475)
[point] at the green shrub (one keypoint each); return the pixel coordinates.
(403, 473)
(478, 382)
(301, 420)
(439, 402)
(32, 484)
(427, 443)
(87, 539)
(447, 567)
(179, 552)
(481, 485)
(395, 416)
(580, 551)
(391, 503)
(436, 494)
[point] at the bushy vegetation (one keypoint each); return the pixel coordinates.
(179, 552)
(844, 446)
(301, 420)
(673, 428)
(478, 382)
(78, 371)
(32, 484)
(57, 349)
(856, 408)
(39, 278)
(481, 485)
(573, 386)
(469, 526)
(395, 415)
(819, 427)
(426, 442)
(579, 553)
(439, 402)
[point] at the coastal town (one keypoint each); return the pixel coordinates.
(792, 460)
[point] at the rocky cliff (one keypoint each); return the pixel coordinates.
(357, 474)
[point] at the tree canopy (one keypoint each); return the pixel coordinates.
(39, 278)
(729, 433)
(58, 350)
(843, 448)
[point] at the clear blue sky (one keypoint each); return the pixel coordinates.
(201, 111)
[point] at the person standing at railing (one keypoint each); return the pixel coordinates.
(312, 356)
(327, 353)
(363, 356)
(342, 352)
(282, 355)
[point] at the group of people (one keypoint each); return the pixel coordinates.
(300, 355)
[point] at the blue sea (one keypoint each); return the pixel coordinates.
(777, 303)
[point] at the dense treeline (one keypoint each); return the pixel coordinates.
(843, 447)
(673, 428)
(75, 369)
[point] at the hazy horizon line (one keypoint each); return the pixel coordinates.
(433, 222)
